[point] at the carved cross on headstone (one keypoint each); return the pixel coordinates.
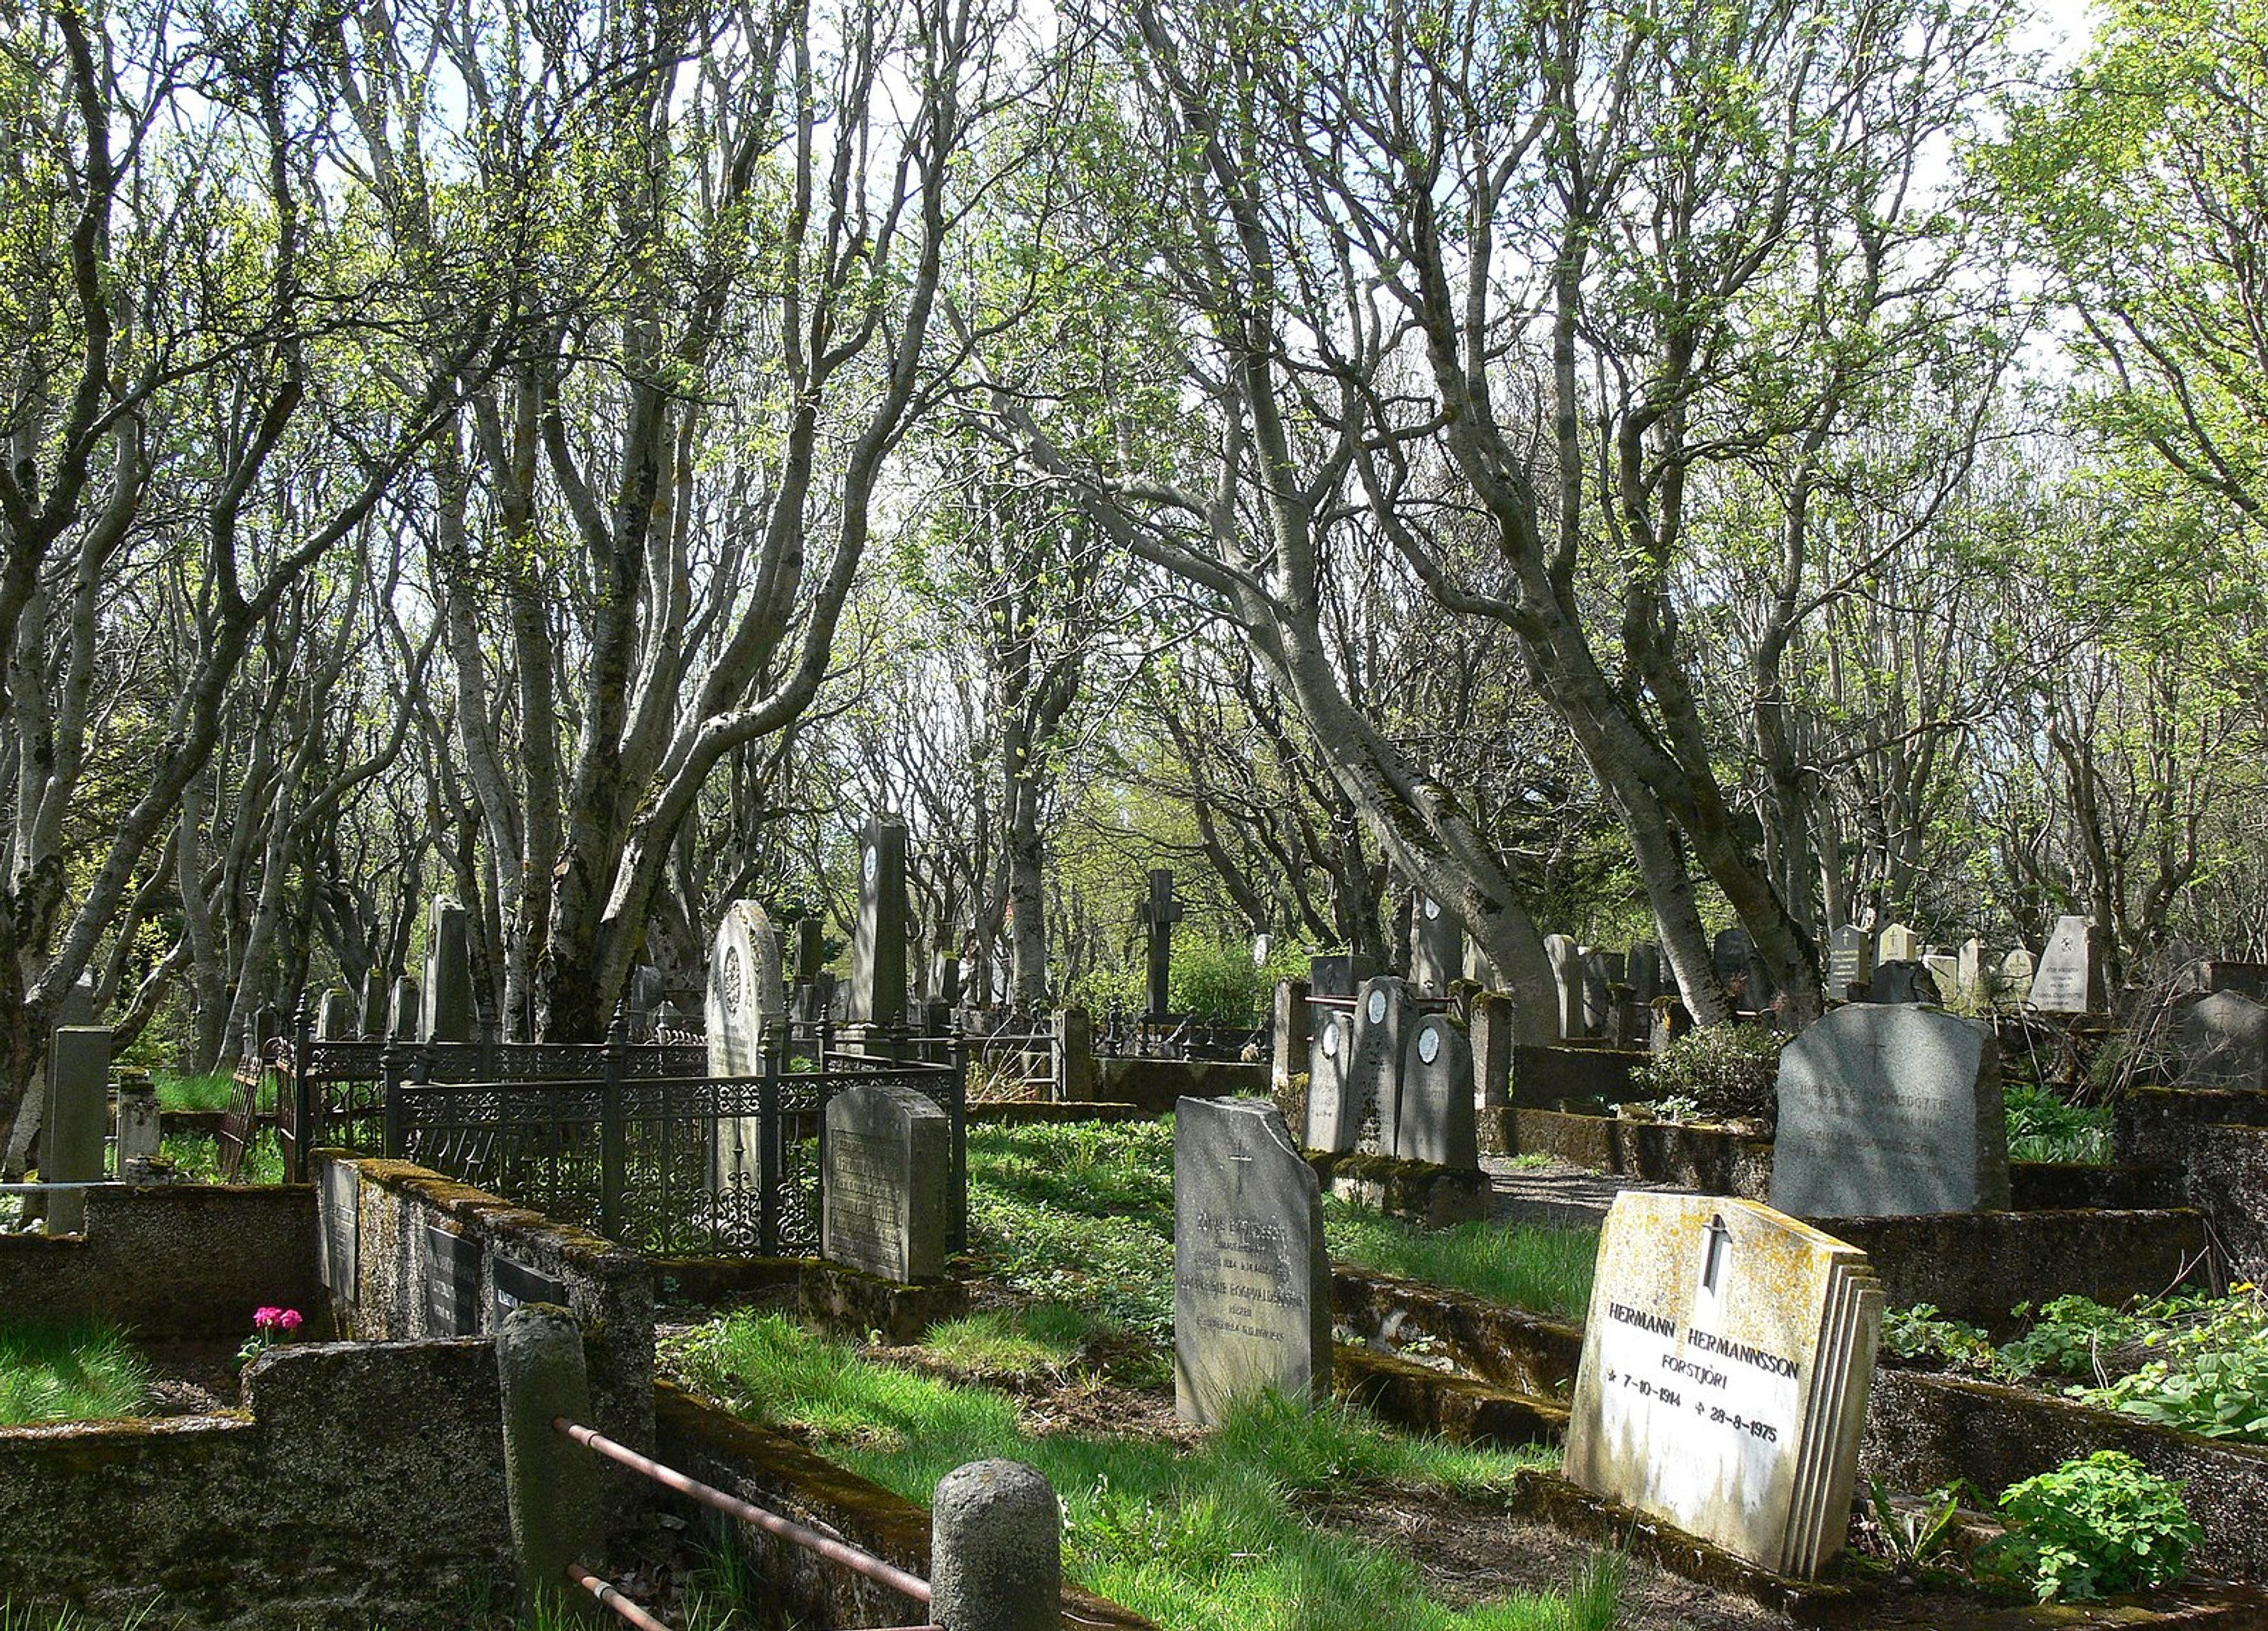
(1713, 1262)
(1157, 913)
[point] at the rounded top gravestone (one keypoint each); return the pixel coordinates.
(746, 990)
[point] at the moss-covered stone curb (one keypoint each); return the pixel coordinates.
(1418, 1192)
(1443, 1405)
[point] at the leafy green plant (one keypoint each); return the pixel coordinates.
(2072, 1335)
(1722, 1072)
(2043, 1127)
(1922, 1333)
(2092, 1528)
(1911, 1536)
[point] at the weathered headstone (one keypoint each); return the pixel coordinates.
(2246, 979)
(1898, 943)
(405, 1022)
(373, 1004)
(1437, 1122)
(78, 1109)
(338, 1209)
(1566, 961)
(1732, 954)
(1340, 974)
(1436, 947)
(1078, 1078)
(1726, 1364)
(2016, 982)
(1849, 960)
(1946, 970)
(1490, 1035)
(1157, 912)
(453, 1283)
(1890, 1110)
(1334, 1105)
(1382, 1016)
(1645, 968)
(2069, 979)
(334, 1019)
(887, 1159)
(810, 949)
(1602, 972)
(746, 1001)
(1969, 970)
(141, 1135)
(1252, 1284)
(1293, 1028)
(2223, 1038)
(448, 1013)
(878, 954)
(1905, 982)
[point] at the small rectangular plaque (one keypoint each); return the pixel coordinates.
(340, 1202)
(516, 1283)
(453, 1283)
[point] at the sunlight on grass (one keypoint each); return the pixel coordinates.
(1546, 1271)
(1197, 1540)
(78, 1372)
(217, 1091)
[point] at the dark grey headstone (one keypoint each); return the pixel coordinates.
(887, 1158)
(2247, 980)
(453, 1283)
(448, 976)
(1850, 959)
(1334, 1107)
(2223, 1039)
(1602, 972)
(810, 949)
(335, 1018)
(1436, 1123)
(1251, 1283)
(2069, 977)
(1436, 946)
(405, 1021)
(1566, 961)
(1383, 1011)
(78, 1121)
(1491, 1038)
(1645, 966)
(1890, 1110)
(1293, 1024)
(1339, 975)
(373, 1004)
(1905, 982)
(338, 1206)
(877, 955)
(1157, 912)
(513, 1284)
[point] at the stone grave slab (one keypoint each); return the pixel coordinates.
(1898, 943)
(885, 1169)
(1890, 1110)
(1726, 1360)
(338, 1205)
(1437, 1122)
(1252, 1284)
(453, 1283)
(1334, 1106)
(1436, 947)
(1849, 960)
(2069, 977)
(1383, 1013)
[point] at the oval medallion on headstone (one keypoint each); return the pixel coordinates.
(1432, 909)
(733, 980)
(1378, 1008)
(1429, 1044)
(1331, 1041)
(873, 859)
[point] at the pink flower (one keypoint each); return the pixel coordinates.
(268, 1318)
(290, 1319)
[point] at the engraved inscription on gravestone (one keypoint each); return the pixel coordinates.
(1251, 1283)
(1334, 1109)
(453, 1283)
(883, 1188)
(1726, 1364)
(516, 1283)
(338, 1200)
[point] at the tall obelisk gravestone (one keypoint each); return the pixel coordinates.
(877, 955)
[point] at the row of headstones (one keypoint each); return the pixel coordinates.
(76, 1121)
(1387, 1076)
(1725, 1363)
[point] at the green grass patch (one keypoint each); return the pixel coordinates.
(1196, 1538)
(196, 1156)
(1545, 1270)
(217, 1091)
(85, 1371)
(1045, 1336)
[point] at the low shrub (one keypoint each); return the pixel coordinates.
(2093, 1528)
(1718, 1072)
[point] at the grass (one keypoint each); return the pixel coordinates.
(196, 1156)
(78, 1372)
(2042, 1127)
(217, 1091)
(1081, 1215)
(1194, 1539)
(1545, 1270)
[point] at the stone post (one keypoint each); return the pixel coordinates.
(139, 1134)
(1492, 1037)
(1295, 1035)
(996, 1550)
(78, 1088)
(1075, 1073)
(551, 1482)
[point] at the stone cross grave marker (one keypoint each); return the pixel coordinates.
(1382, 1016)
(1157, 913)
(888, 1152)
(448, 1012)
(1726, 1360)
(1252, 1284)
(2069, 979)
(1566, 961)
(878, 953)
(78, 1116)
(1436, 947)
(1437, 1122)
(1849, 960)
(1890, 1110)
(1334, 1104)
(2223, 1040)
(746, 999)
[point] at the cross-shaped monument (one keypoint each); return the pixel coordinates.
(1157, 913)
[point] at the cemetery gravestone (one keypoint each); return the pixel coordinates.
(1566, 961)
(448, 1013)
(78, 1116)
(406, 1024)
(141, 1137)
(2069, 977)
(877, 955)
(1436, 947)
(1969, 969)
(1890, 1110)
(810, 949)
(1157, 913)
(1252, 1285)
(2224, 1042)
(1338, 974)
(1078, 1078)
(745, 997)
(335, 1019)
(1850, 961)
(1437, 1122)
(1293, 1018)
(1489, 1037)
(1726, 1364)
(1897, 944)
(338, 1206)
(1945, 971)
(373, 1004)
(514, 1285)
(1382, 1016)
(1602, 972)
(2246, 979)
(453, 1283)
(1905, 982)
(1334, 1106)
(887, 1153)
(2015, 981)
(1645, 968)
